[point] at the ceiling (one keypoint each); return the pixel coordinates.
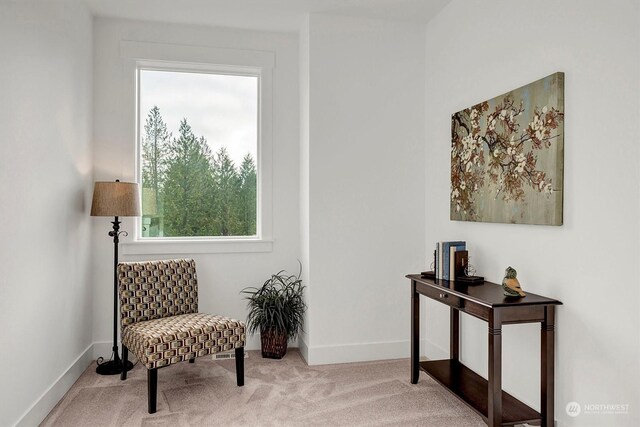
(269, 15)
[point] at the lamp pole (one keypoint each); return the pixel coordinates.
(116, 241)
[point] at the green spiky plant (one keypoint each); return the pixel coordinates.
(276, 310)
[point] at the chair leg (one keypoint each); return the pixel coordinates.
(125, 360)
(240, 366)
(152, 384)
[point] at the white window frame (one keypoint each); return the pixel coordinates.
(180, 58)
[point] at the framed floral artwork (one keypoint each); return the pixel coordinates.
(507, 156)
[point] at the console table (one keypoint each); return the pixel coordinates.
(487, 302)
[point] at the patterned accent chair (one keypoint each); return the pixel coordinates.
(161, 324)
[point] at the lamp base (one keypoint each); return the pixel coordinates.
(113, 367)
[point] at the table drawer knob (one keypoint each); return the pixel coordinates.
(444, 295)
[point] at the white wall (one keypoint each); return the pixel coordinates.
(479, 49)
(45, 188)
(221, 277)
(304, 178)
(365, 183)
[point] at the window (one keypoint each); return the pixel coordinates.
(198, 135)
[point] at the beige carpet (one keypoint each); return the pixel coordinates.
(283, 392)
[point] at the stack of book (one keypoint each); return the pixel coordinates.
(451, 260)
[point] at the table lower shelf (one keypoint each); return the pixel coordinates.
(472, 389)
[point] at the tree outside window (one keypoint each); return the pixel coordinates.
(198, 154)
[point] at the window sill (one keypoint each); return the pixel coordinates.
(167, 247)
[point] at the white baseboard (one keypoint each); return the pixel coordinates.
(103, 349)
(365, 352)
(432, 351)
(45, 403)
(303, 348)
(253, 342)
(361, 352)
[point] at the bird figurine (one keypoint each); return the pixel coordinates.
(511, 285)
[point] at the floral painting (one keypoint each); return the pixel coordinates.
(507, 156)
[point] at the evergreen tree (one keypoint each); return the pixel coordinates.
(154, 150)
(189, 180)
(155, 142)
(227, 190)
(247, 196)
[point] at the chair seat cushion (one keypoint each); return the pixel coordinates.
(161, 342)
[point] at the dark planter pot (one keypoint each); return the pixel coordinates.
(274, 345)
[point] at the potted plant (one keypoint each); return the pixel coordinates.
(276, 310)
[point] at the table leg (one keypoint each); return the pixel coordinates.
(454, 334)
(415, 334)
(494, 417)
(547, 366)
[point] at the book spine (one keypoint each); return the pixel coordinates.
(452, 262)
(461, 260)
(461, 246)
(445, 263)
(440, 260)
(437, 260)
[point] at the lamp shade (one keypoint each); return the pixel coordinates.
(115, 199)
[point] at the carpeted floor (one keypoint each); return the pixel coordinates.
(283, 392)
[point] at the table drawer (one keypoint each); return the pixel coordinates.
(441, 295)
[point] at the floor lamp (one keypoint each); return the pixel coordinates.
(115, 199)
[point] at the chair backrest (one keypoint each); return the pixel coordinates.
(154, 289)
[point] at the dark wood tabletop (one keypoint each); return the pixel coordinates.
(486, 293)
